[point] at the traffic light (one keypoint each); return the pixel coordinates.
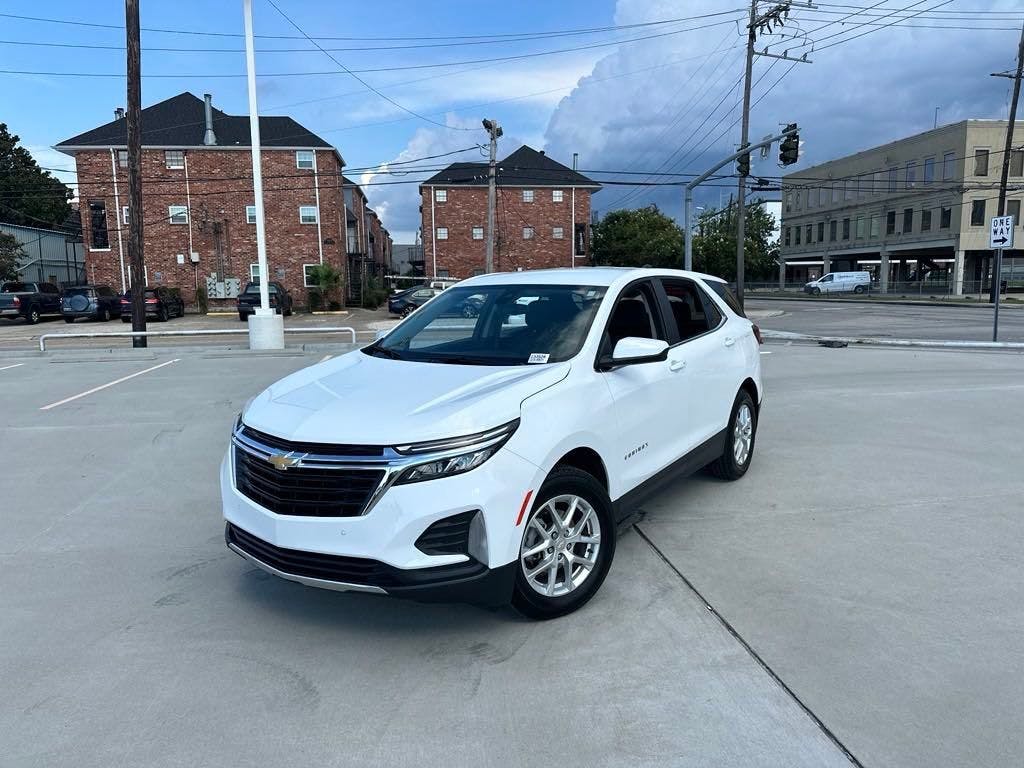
(743, 164)
(789, 148)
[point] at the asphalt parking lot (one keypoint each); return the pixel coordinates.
(858, 590)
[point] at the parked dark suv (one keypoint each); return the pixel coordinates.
(161, 304)
(249, 300)
(95, 302)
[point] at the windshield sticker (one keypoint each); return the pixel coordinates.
(538, 357)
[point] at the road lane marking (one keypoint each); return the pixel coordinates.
(323, 359)
(6, 367)
(765, 353)
(104, 386)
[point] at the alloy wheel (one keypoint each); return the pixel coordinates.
(742, 435)
(560, 547)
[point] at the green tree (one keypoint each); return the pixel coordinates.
(10, 253)
(714, 245)
(28, 195)
(636, 238)
(327, 280)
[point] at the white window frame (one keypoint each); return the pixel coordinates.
(251, 220)
(305, 159)
(315, 217)
(167, 159)
(988, 162)
(122, 158)
(557, 195)
(557, 233)
(441, 233)
(527, 195)
(473, 233)
(177, 210)
(305, 276)
(124, 214)
(254, 272)
(529, 233)
(440, 195)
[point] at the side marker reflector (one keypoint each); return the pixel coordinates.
(522, 509)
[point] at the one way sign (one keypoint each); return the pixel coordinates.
(1001, 233)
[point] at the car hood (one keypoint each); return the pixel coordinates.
(361, 399)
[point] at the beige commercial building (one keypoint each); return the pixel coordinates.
(915, 210)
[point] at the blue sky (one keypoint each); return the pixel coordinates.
(656, 97)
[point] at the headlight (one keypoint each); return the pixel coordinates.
(457, 454)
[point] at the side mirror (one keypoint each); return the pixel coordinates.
(633, 350)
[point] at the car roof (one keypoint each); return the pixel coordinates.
(603, 276)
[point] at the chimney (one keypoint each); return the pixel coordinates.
(118, 113)
(209, 138)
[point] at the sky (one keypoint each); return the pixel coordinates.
(635, 87)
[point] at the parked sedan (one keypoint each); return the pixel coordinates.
(160, 303)
(95, 302)
(407, 302)
(249, 300)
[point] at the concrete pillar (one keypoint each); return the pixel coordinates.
(826, 267)
(958, 274)
(883, 272)
(782, 274)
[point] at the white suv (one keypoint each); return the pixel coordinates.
(493, 458)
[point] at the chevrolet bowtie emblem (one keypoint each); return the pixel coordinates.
(283, 461)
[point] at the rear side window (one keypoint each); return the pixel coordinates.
(14, 288)
(692, 310)
(726, 295)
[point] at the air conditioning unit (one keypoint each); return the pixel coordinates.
(194, 257)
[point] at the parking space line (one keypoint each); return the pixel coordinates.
(6, 367)
(323, 359)
(104, 386)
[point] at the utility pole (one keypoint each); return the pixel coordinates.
(997, 271)
(494, 131)
(135, 255)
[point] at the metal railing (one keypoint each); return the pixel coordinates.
(788, 336)
(209, 332)
(923, 289)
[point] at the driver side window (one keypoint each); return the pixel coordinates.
(635, 315)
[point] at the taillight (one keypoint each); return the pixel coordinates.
(125, 302)
(151, 301)
(757, 333)
(17, 301)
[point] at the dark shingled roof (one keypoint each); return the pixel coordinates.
(526, 167)
(181, 122)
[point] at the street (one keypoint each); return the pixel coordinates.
(869, 563)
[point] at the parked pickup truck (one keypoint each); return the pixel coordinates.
(29, 300)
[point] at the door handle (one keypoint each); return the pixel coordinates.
(729, 341)
(676, 365)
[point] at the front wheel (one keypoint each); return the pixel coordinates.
(816, 291)
(104, 316)
(739, 440)
(242, 316)
(162, 315)
(408, 311)
(567, 547)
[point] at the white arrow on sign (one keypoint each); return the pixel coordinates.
(1001, 232)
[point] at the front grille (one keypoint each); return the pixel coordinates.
(449, 536)
(305, 491)
(325, 449)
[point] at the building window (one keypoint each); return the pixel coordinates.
(124, 214)
(307, 275)
(861, 188)
(557, 233)
(890, 223)
(177, 214)
(861, 228)
(789, 202)
(893, 178)
(812, 196)
(307, 214)
(846, 229)
(911, 180)
(442, 273)
(254, 273)
(796, 200)
(948, 166)
(98, 225)
(1017, 162)
(527, 195)
(478, 271)
(945, 217)
(250, 214)
(796, 234)
(304, 159)
(977, 213)
(848, 190)
(478, 233)
(908, 220)
(556, 195)
(926, 220)
(122, 158)
(876, 183)
(1013, 209)
(442, 233)
(527, 233)
(810, 233)
(174, 158)
(440, 195)
(788, 236)
(835, 192)
(832, 231)
(981, 162)
(821, 231)
(929, 170)
(875, 225)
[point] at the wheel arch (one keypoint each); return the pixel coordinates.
(587, 460)
(750, 387)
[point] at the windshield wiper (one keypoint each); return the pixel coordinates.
(464, 360)
(379, 351)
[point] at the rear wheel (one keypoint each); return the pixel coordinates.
(739, 440)
(407, 311)
(858, 289)
(33, 316)
(242, 316)
(567, 547)
(104, 316)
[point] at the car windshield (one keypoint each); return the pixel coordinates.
(496, 325)
(255, 288)
(14, 288)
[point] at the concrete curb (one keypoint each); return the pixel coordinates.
(1008, 346)
(883, 302)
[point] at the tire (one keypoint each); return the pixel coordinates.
(104, 316)
(529, 595)
(468, 311)
(125, 319)
(33, 316)
(407, 311)
(288, 312)
(162, 315)
(69, 319)
(734, 461)
(858, 289)
(243, 317)
(816, 291)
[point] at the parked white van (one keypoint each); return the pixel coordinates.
(840, 282)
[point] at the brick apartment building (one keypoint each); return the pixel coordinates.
(199, 213)
(542, 216)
